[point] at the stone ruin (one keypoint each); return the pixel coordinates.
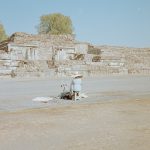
(26, 55)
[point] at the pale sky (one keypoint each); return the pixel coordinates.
(101, 22)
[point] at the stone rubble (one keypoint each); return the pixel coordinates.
(26, 55)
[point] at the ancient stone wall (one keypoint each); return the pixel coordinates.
(32, 54)
(25, 55)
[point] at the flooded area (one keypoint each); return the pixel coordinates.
(18, 94)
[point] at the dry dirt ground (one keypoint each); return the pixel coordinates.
(116, 116)
(117, 125)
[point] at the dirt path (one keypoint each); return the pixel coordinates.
(116, 125)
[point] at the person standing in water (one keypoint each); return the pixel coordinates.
(75, 87)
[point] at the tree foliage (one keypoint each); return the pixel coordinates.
(55, 24)
(3, 35)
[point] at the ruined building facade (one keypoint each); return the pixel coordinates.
(25, 55)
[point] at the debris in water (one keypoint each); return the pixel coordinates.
(42, 99)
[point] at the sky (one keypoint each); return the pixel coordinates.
(100, 22)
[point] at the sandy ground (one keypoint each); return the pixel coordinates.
(119, 125)
(114, 117)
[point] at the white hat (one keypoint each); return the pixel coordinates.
(76, 74)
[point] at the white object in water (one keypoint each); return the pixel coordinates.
(42, 99)
(83, 95)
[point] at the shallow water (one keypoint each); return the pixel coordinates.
(18, 94)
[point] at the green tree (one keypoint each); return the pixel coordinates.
(55, 24)
(3, 35)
